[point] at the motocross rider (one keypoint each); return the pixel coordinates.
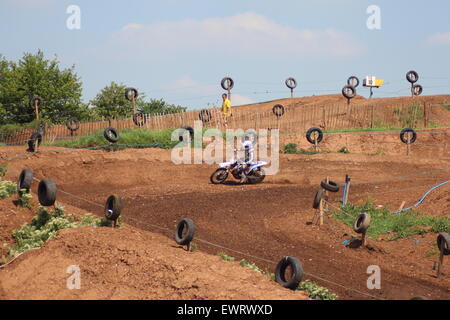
(249, 154)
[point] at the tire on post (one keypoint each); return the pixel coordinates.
(291, 83)
(309, 135)
(139, 119)
(412, 76)
(443, 243)
(227, 83)
(318, 197)
(204, 115)
(349, 92)
(353, 81)
(278, 110)
(406, 131)
(296, 275)
(329, 186)
(36, 99)
(182, 133)
(111, 134)
(362, 223)
(32, 141)
(25, 181)
(181, 238)
(113, 207)
(417, 90)
(47, 192)
(73, 124)
(131, 93)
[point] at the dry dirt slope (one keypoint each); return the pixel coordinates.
(130, 264)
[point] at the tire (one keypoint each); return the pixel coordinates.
(309, 135)
(278, 110)
(353, 81)
(403, 134)
(291, 83)
(111, 135)
(113, 207)
(227, 83)
(349, 92)
(189, 129)
(189, 236)
(419, 298)
(219, 176)
(73, 124)
(297, 269)
(204, 115)
(330, 186)
(412, 76)
(38, 99)
(443, 243)
(317, 199)
(362, 223)
(32, 141)
(258, 178)
(47, 192)
(25, 181)
(139, 119)
(131, 93)
(417, 89)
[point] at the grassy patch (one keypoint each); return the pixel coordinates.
(291, 148)
(25, 199)
(315, 291)
(343, 150)
(383, 222)
(7, 188)
(44, 226)
(129, 138)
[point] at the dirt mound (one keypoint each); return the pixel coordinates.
(130, 264)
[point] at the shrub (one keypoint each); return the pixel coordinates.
(7, 188)
(315, 291)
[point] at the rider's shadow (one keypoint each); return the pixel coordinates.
(232, 183)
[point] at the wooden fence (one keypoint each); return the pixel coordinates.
(297, 118)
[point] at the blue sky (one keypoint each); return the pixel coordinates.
(180, 49)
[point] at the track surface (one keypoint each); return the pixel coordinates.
(270, 220)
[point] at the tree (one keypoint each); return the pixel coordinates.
(111, 102)
(160, 106)
(33, 75)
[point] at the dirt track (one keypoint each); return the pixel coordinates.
(269, 220)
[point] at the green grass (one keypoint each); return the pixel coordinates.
(397, 226)
(291, 148)
(44, 226)
(129, 138)
(7, 188)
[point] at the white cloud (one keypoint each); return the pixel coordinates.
(242, 34)
(439, 39)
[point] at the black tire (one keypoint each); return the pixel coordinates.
(25, 181)
(297, 270)
(32, 140)
(349, 92)
(204, 115)
(139, 119)
(257, 176)
(131, 93)
(310, 132)
(111, 134)
(417, 89)
(412, 76)
(330, 186)
(362, 223)
(227, 83)
(443, 243)
(353, 81)
(219, 176)
(182, 133)
(113, 207)
(291, 83)
(47, 192)
(403, 134)
(73, 124)
(278, 110)
(190, 232)
(38, 99)
(318, 197)
(419, 298)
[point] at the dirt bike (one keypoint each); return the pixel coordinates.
(255, 172)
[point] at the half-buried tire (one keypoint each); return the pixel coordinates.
(362, 223)
(25, 181)
(113, 207)
(47, 192)
(184, 232)
(443, 242)
(32, 141)
(317, 199)
(296, 272)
